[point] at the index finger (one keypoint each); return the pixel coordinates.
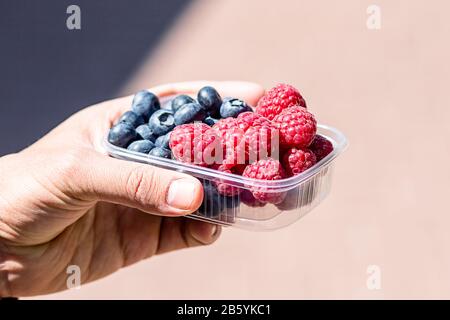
(248, 91)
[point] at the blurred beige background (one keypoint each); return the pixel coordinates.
(387, 90)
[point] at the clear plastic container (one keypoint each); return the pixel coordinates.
(301, 193)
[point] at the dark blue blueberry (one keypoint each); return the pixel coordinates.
(210, 99)
(161, 122)
(232, 107)
(180, 101)
(145, 133)
(215, 204)
(122, 134)
(145, 104)
(163, 141)
(210, 121)
(189, 113)
(142, 146)
(132, 118)
(160, 152)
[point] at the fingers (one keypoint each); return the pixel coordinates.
(248, 91)
(144, 187)
(177, 234)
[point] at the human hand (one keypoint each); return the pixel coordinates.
(64, 202)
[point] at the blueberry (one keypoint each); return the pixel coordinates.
(210, 99)
(215, 204)
(160, 152)
(163, 141)
(132, 118)
(161, 122)
(189, 112)
(145, 133)
(145, 104)
(181, 100)
(232, 107)
(142, 146)
(210, 121)
(122, 134)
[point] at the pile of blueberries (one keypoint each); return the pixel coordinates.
(147, 127)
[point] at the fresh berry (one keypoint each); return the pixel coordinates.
(122, 134)
(232, 107)
(277, 99)
(189, 113)
(321, 147)
(142, 146)
(247, 198)
(297, 127)
(260, 143)
(249, 119)
(132, 118)
(160, 152)
(145, 104)
(231, 140)
(145, 133)
(196, 143)
(180, 101)
(295, 161)
(210, 100)
(267, 169)
(223, 186)
(223, 125)
(210, 121)
(163, 141)
(161, 122)
(215, 205)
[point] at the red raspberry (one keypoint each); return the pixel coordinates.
(196, 143)
(259, 143)
(224, 187)
(231, 141)
(277, 99)
(249, 119)
(297, 127)
(223, 125)
(267, 169)
(295, 161)
(248, 198)
(321, 147)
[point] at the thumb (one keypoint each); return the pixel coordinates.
(144, 187)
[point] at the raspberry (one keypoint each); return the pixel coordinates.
(223, 125)
(277, 99)
(267, 169)
(248, 198)
(297, 127)
(251, 119)
(321, 147)
(259, 143)
(196, 143)
(295, 161)
(231, 141)
(224, 187)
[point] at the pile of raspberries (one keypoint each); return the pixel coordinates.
(276, 141)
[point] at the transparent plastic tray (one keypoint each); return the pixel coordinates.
(301, 193)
